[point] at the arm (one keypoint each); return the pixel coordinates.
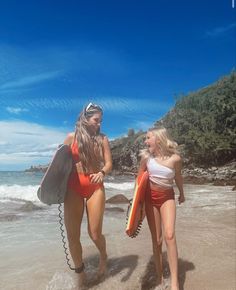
(179, 179)
(107, 156)
(98, 177)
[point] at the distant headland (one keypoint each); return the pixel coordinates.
(204, 125)
(37, 168)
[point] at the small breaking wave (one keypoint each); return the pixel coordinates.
(120, 186)
(18, 193)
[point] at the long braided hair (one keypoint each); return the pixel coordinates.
(90, 146)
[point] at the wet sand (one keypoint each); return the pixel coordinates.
(207, 258)
(206, 238)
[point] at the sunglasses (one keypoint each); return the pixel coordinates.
(91, 105)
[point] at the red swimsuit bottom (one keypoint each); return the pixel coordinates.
(160, 196)
(80, 182)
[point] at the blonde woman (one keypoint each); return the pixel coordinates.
(163, 164)
(92, 161)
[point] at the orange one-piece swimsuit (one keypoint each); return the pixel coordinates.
(80, 182)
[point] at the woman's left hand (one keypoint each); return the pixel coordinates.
(96, 177)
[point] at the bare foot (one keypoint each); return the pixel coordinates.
(82, 280)
(102, 268)
(160, 280)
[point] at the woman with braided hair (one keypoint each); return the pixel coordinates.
(92, 161)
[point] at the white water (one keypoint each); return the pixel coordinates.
(31, 253)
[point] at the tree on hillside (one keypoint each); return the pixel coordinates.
(205, 122)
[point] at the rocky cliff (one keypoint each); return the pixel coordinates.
(204, 125)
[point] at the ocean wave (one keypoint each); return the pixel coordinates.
(119, 186)
(19, 192)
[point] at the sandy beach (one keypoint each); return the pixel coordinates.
(206, 242)
(32, 256)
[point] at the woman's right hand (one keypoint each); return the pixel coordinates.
(96, 177)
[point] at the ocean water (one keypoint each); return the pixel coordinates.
(31, 252)
(30, 232)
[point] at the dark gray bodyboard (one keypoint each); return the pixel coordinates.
(53, 186)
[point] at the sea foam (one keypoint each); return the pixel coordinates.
(19, 192)
(119, 186)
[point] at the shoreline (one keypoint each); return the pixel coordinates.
(217, 176)
(205, 237)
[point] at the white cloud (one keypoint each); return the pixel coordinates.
(16, 111)
(109, 103)
(128, 105)
(30, 80)
(220, 30)
(25, 144)
(21, 68)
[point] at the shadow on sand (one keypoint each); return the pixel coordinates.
(126, 264)
(149, 279)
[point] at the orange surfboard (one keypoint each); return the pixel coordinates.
(136, 211)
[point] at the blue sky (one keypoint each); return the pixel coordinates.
(132, 57)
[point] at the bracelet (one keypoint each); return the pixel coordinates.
(103, 172)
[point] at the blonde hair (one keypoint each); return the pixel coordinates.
(90, 146)
(166, 145)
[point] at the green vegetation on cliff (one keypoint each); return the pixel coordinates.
(203, 123)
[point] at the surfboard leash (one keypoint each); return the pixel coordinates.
(60, 215)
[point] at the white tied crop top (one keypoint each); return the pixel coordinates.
(160, 174)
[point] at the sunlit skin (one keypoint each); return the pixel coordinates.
(150, 142)
(172, 161)
(164, 218)
(74, 206)
(95, 122)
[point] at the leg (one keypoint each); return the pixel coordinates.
(73, 214)
(154, 222)
(168, 215)
(95, 211)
